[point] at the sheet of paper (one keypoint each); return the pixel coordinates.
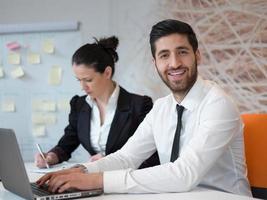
(38, 131)
(17, 72)
(2, 74)
(34, 58)
(48, 46)
(13, 58)
(53, 168)
(55, 75)
(8, 106)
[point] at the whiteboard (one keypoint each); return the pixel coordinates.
(36, 109)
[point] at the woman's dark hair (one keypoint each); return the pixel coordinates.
(170, 26)
(98, 55)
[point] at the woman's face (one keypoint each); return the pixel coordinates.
(92, 82)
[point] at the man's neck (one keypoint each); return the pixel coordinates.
(179, 96)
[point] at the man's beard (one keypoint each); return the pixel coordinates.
(181, 87)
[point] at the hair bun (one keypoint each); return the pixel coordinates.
(110, 44)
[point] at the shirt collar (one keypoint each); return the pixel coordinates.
(113, 99)
(194, 96)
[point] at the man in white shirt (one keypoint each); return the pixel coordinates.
(206, 151)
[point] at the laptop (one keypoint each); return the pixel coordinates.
(15, 179)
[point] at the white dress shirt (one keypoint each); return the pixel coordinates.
(211, 148)
(99, 133)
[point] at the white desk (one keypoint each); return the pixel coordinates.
(198, 194)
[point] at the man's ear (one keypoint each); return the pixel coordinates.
(154, 61)
(198, 56)
(155, 65)
(108, 72)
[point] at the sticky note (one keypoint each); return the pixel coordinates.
(38, 119)
(17, 72)
(13, 58)
(43, 118)
(48, 46)
(38, 131)
(36, 105)
(50, 119)
(44, 105)
(55, 75)
(1, 72)
(33, 58)
(13, 46)
(63, 104)
(8, 106)
(49, 106)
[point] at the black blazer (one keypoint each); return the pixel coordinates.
(130, 112)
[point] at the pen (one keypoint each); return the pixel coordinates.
(42, 154)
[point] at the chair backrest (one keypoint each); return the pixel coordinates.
(255, 137)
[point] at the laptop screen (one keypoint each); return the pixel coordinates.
(13, 172)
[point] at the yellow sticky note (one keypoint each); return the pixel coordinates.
(8, 106)
(43, 118)
(44, 105)
(38, 119)
(49, 106)
(48, 46)
(1, 72)
(14, 58)
(36, 105)
(17, 72)
(55, 75)
(34, 58)
(50, 119)
(38, 131)
(63, 104)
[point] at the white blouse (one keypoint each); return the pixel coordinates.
(99, 133)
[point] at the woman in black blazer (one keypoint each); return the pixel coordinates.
(93, 65)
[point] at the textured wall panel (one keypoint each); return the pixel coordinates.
(233, 44)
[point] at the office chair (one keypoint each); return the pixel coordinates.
(255, 137)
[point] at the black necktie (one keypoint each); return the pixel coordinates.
(176, 140)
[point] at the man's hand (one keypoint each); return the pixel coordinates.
(72, 178)
(50, 157)
(47, 177)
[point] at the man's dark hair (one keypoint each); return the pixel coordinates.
(170, 26)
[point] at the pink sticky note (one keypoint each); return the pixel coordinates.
(13, 46)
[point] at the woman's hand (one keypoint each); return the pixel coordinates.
(50, 157)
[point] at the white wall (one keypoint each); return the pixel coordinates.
(94, 15)
(130, 20)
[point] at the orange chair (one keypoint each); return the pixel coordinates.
(255, 137)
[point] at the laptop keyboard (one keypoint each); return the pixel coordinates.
(40, 191)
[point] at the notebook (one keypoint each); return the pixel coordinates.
(14, 176)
